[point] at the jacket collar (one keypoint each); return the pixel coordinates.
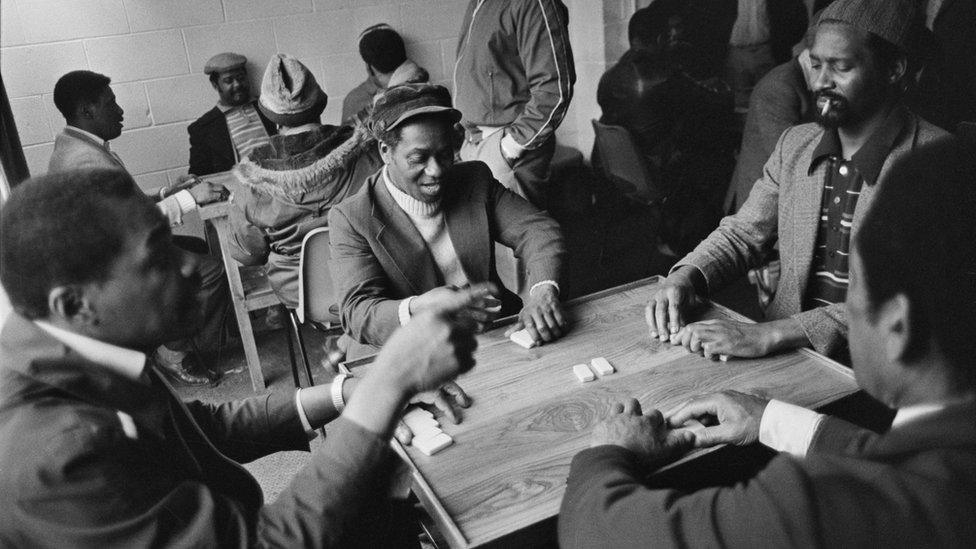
(952, 427)
(38, 361)
(870, 158)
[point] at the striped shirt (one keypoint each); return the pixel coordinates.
(842, 187)
(246, 130)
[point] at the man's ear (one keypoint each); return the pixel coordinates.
(386, 153)
(894, 319)
(71, 305)
(898, 70)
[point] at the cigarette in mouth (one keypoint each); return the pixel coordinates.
(826, 107)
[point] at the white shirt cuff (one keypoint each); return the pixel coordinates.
(186, 201)
(544, 283)
(403, 311)
(302, 417)
(788, 428)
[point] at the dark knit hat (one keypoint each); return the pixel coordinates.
(400, 103)
(290, 96)
(892, 20)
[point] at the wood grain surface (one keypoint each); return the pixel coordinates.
(530, 415)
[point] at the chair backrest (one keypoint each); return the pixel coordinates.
(316, 290)
(623, 164)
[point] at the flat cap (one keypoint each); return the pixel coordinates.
(224, 62)
(400, 103)
(895, 21)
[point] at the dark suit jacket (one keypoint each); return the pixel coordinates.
(913, 487)
(211, 149)
(71, 476)
(379, 257)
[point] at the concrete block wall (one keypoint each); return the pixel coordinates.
(154, 51)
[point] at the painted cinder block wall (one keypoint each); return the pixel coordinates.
(154, 51)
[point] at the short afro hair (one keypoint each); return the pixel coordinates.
(78, 88)
(58, 229)
(382, 48)
(919, 240)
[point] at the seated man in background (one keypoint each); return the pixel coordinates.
(93, 119)
(816, 187)
(385, 55)
(911, 308)
(680, 119)
(235, 126)
(95, 447)
(424, 226)
(291, 182)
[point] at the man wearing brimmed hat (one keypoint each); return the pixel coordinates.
(387, 65)
(293, 180)
(234, 127)
(423, 226)
(816, 188)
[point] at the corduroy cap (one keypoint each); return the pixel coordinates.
(892, 20)
(224, 62)
(400, 103)
(290, 96)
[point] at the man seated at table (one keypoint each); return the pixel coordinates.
(291, 182)
(911, 308)
(387, 64)
(816, 187)
(235, 126)
(424, 226)
(93, 119)
(95, 447)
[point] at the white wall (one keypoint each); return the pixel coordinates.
(154, 51)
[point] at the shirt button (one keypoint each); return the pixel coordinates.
(843, 170)
(836, 200)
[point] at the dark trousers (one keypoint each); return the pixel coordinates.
(214, 296)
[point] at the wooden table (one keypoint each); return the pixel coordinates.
(246, 295)
(508, 466)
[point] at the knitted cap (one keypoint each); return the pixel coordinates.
(224, 62)
(891, 20)
(398, 104)
(290, 96)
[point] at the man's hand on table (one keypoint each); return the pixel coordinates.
(729, 417)
(668, 308)
(450, 398)
(713, 338)
(648, 436)
(476, 301)
(206, 192)
(541, 315)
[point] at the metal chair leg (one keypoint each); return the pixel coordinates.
(297, 331)
(291, 356)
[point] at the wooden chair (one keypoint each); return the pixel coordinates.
(317, 297)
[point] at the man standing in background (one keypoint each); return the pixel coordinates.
(513, 81)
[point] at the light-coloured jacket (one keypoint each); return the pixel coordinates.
(785, 205)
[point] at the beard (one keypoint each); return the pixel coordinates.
(831, 110)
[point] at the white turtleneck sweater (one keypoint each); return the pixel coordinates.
(429, 221)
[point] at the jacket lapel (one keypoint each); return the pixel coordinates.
(400, 240)
(467, 223)
(806, 220)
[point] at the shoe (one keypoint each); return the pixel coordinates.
(171, 364)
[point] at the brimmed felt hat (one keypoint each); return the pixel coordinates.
(223, 62)
(400, 103)
(895, 21)
(290, 96)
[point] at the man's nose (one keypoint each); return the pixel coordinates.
(434, 168)
(822, 80)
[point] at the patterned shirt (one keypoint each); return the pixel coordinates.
(842, 188)
(246, 129)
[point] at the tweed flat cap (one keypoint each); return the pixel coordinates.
(892, 20)
(290, 96)
(224, 62)
(398, 104)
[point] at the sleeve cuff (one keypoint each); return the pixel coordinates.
(552, 283)
(403, 311)
(788, 428)
(186, 201)
(510, 147)
(309, 431)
